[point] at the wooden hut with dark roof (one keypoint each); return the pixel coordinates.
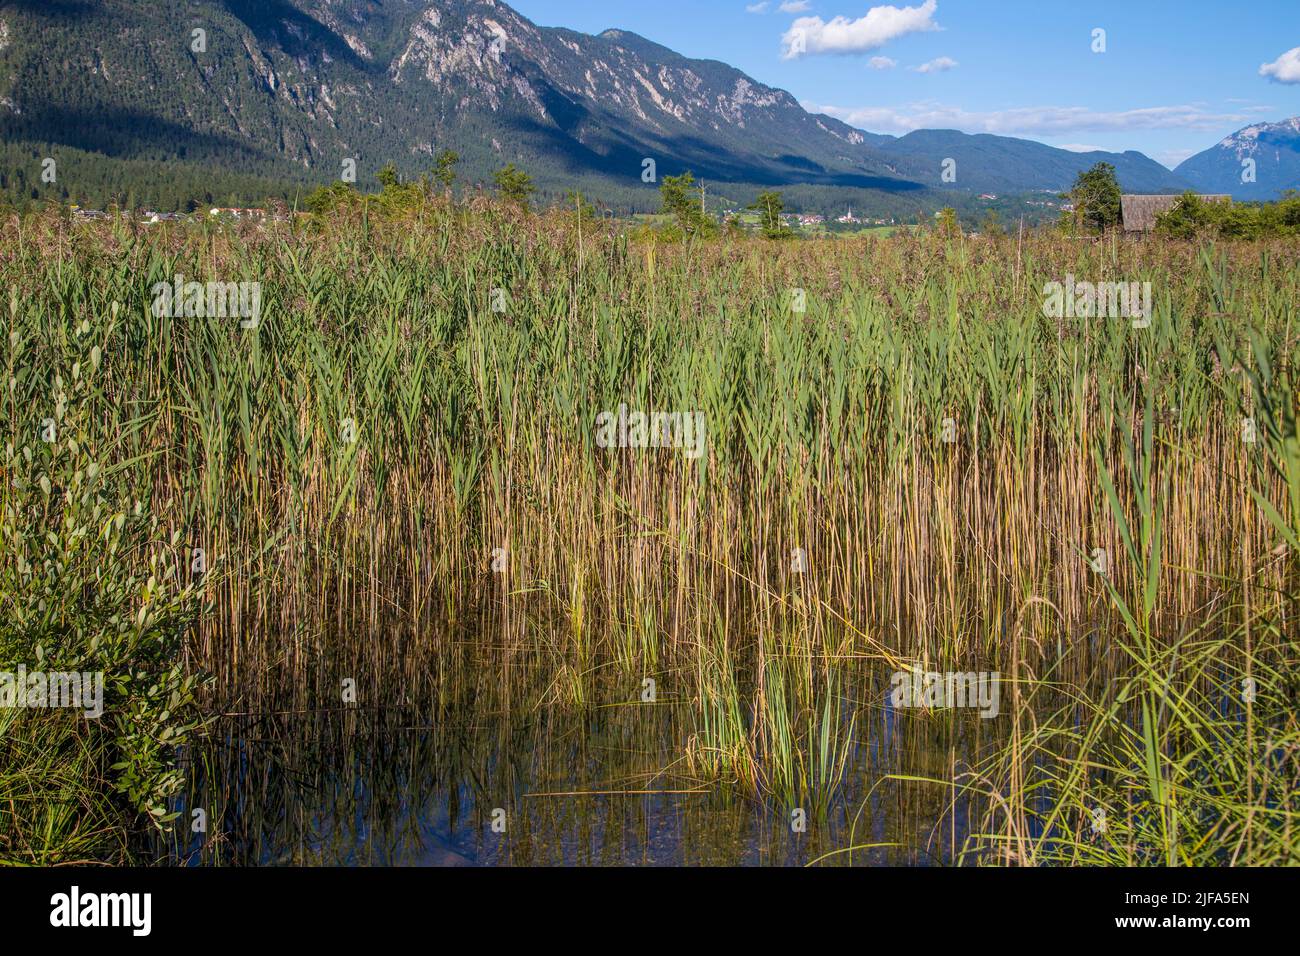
(1140, 212)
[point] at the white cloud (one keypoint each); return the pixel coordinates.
(794, 6)
(882, 63)
(809, 35)
(1170, 158)
(756, 7)
(1030, 120)
(1285, 69)
(940, 65)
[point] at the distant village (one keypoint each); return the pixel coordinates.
(813, 220)
(150, 217)
(817, 221)
(794, 220)
(848, 219)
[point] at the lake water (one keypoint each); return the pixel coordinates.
(474, 761)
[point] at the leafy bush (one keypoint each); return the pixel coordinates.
(1192, 217)
(89, 583)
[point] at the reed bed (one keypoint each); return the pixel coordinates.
(907, 463)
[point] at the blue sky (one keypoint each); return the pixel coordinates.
(1175, 78)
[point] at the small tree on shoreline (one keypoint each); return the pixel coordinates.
(514, 185)
(1096, 198)
(769, 205)
(444, 169)
(684, 200)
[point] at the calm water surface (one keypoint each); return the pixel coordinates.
(473, 762)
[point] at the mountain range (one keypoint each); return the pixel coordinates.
(240, 95)
(1258, 162)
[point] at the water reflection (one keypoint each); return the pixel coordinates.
(473, 761)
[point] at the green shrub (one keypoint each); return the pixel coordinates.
(89, 583)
